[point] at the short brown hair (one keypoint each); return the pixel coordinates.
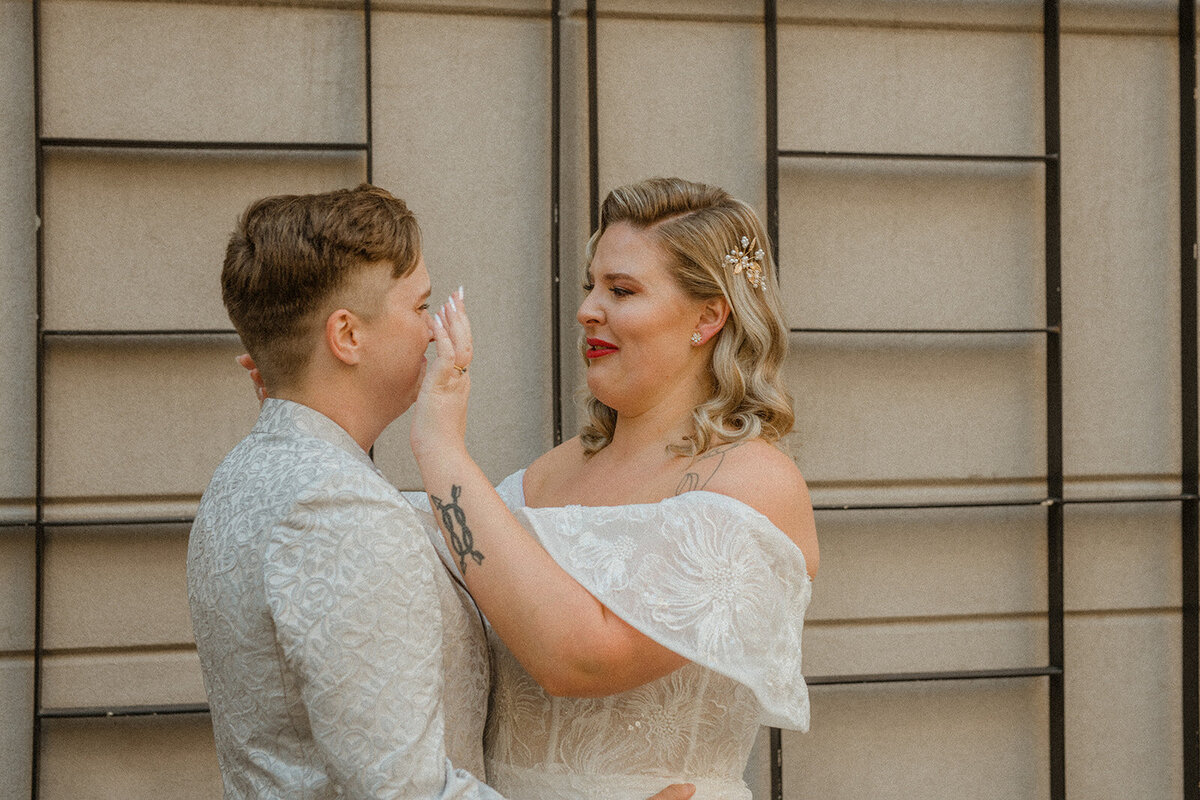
(291, 253)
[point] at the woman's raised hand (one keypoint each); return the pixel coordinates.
(440, 413)
(260, 389)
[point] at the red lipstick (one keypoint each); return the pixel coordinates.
(598, 347)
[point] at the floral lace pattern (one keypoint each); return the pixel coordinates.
(706, 576)
(338, 656)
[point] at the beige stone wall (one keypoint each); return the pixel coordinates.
(461, 128)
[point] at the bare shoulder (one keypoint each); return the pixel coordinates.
(550, 466)
(765, 478)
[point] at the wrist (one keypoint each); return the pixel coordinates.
(439, 452)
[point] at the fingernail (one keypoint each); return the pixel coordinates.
(451, 302)
(461, 295)
(437, 320)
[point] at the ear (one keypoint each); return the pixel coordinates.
(344, 336)
(712, 318)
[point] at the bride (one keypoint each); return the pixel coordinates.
(646, 581)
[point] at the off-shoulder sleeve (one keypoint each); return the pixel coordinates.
(703, 575)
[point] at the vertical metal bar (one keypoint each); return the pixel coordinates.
(771, 66)
(367, 91)
(368, 120)
(555, 217)
(1054, 422)
(39, 547)
(771, 37)
(593, 120)
(1190, 510)
(776, 764)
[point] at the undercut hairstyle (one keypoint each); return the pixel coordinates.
(291, 255)
(695, 226)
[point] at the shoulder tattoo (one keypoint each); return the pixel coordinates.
(703, 467)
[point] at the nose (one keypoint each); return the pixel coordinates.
(590, 312)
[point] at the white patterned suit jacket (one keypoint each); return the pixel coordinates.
(339, 657)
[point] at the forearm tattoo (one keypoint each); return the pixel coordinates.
(455, 521)
(699, 473)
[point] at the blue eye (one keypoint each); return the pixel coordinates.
(587, 287)
(619, 292)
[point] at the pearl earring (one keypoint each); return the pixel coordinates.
(696, 337)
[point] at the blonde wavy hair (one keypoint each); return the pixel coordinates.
(696, 226)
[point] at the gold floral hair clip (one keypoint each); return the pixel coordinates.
(749, 258)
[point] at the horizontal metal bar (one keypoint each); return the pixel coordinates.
(135, 334)
(949, 504)
(917, 506)
(1150, 498)
(965, 331)
(912, 677)
(1044, 501)
(171, 144)
(103, 712)
(118, 522)
(878, 156)
(19, 523)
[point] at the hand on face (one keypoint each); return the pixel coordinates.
(246, 361)
(440, 413)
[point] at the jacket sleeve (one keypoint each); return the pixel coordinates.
(350, 584)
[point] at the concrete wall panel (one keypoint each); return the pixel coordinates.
(137, 240)
(1122, 557)
(130, 759)
(142, 419)
(1120, 255)
(16, 589)
(129, 678)
(911, 244)
(462, 130)
(914, 740)
(899, 564)
(113, 587)
(701, 117)
(909, 90)
(18, 226)
(912, 410)
(946, 642)
(187, 71)
(1124, 735)
(16, 725)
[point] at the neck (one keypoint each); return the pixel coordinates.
(659, 426)
(342, 406)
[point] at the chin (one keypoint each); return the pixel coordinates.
(609, 399)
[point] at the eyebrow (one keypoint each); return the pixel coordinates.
(616, 276)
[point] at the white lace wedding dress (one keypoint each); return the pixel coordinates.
(702, 574)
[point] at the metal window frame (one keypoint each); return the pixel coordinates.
(1189, 394)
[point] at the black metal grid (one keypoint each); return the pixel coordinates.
(1053, 500)
(1190, 434)
(40, 524)
(43, 143)
(1189, 496)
